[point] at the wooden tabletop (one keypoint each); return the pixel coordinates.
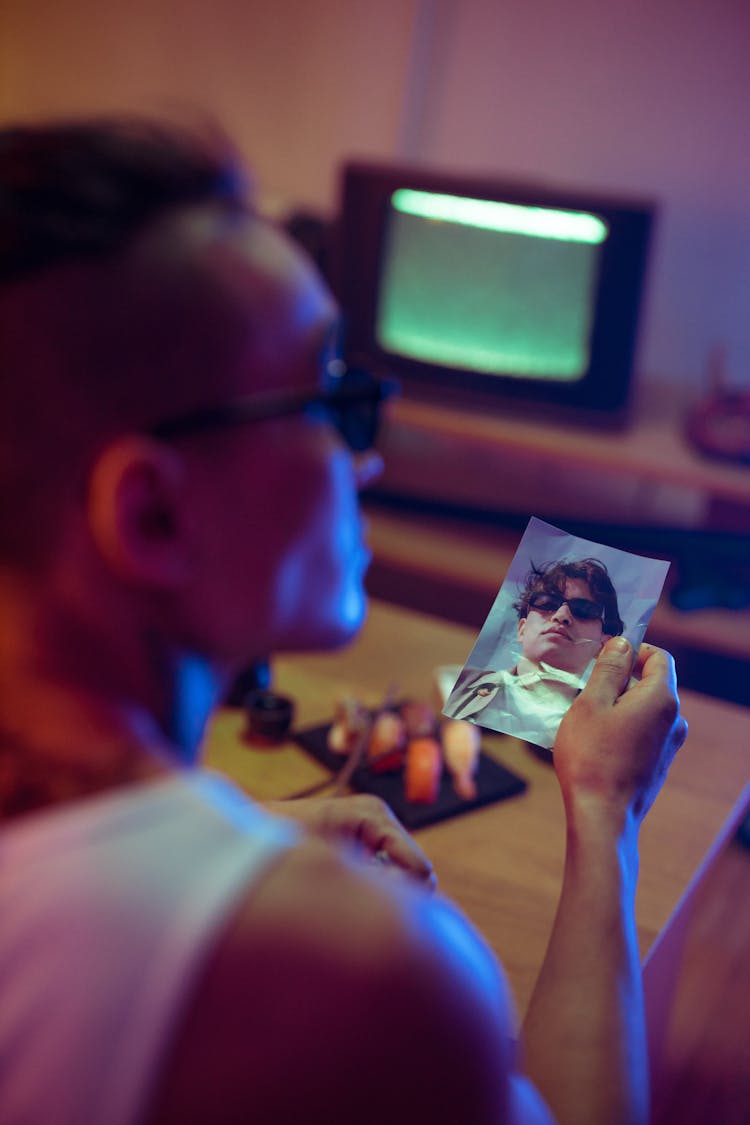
(501, 864)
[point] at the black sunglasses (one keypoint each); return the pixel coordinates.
(351, 403)
(581, 608)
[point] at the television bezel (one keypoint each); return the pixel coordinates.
(602, 392)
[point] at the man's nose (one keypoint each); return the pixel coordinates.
(368, 467)
(563, 614)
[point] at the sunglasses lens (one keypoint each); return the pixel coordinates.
(546, 603)
(584, 609)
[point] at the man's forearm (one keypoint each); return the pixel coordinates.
(584, 1035)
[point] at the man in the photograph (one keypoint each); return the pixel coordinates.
(566, 612)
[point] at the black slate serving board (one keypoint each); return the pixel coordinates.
(494, 783)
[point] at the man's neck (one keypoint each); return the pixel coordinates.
(57, 747)
(80, 712)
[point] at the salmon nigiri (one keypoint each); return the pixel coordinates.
(461, 746)
(424, 765)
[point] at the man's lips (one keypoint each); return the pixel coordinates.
(557, 630)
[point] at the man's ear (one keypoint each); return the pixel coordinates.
(521, 627)
(137, 512)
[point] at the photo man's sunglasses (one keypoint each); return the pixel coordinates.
(581, 608)
(351, 403)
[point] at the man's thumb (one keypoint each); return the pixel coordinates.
(611, 672)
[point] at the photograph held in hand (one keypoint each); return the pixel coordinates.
(548, 624)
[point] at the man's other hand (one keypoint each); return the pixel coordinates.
(364, 820)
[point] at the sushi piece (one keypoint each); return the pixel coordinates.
(350, 722)
(419, 718)
(387, 745)
(424, 765)
(461, 746)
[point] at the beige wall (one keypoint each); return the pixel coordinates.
(642, 96)
(296, 82)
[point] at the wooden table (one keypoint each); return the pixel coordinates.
(502, 864)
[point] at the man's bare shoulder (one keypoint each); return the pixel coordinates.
(335, 995)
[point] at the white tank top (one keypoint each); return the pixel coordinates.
(107, 910)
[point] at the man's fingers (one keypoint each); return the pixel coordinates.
(383, 836)
(657, 678)
(611, 672)
(366, 819)
(407, 857)
(655, 664)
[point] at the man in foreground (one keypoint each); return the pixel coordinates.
(176, 503)
(567, 610)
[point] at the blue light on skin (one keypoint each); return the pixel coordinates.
(323, 612)
(318, 592)
(352, 601)
(446, 927)
(197, 691)
(353, 609)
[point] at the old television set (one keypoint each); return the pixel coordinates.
(490, 293)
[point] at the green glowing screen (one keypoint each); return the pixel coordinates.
(489, 287)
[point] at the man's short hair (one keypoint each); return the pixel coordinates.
(83, 346)
(82, 189)
(551, 577)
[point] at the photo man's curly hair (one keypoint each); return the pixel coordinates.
(551, 577)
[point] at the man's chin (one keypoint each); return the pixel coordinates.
(331, 630)
(555, 658)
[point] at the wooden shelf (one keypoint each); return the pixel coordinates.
(646, 473)
(453, 568)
